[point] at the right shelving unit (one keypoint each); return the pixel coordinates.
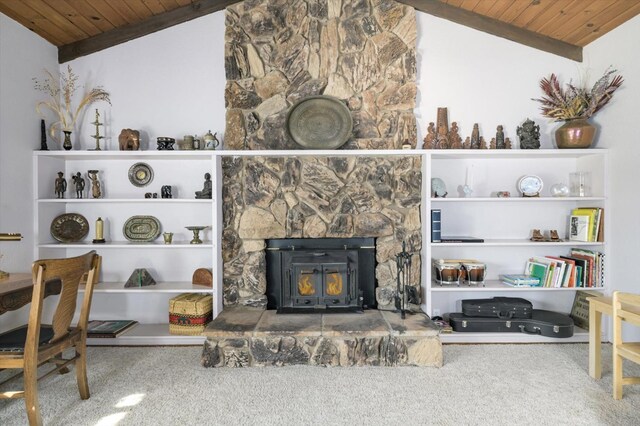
(506, 225)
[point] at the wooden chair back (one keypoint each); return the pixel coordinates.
(69, 271)
(36, 351)
(626, 308)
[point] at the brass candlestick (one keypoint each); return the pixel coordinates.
(97, 136)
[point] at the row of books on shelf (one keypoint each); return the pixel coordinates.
(586, 224)
(580, 268)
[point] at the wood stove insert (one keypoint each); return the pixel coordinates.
(321, 274)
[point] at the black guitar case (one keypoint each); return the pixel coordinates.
(497, 307)
(543, 323)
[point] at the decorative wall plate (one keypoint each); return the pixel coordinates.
(141, 228)
(140, 174)
(530, 186)
(320, 122)
(69, 228)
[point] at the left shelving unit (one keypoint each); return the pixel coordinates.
(171, 265)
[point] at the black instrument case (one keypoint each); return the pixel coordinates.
(497, 307)
(543, 323)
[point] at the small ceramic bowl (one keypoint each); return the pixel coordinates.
(165, 143)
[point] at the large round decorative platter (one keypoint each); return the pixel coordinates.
(141, 229)
(140, 174)
(69, 228)
(320, 122)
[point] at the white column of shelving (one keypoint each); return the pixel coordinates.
(216, 235)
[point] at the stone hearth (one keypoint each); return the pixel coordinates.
(244, 336)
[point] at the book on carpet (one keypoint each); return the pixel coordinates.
(108, 328)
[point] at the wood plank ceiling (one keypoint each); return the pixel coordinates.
(80, 27)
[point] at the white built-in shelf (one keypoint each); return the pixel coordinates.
(494, 285)
(126, 155)
(579, 335)
(148, 334)
(189, 155)
(513, 199)
(518, 242)
(124, 200)
(436, 154)
(128, 245)
(492, 154)
(161, 287)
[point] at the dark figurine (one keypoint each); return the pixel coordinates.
(43, 137)
(78, 181)
(165, 191)
(500, 138)
(475, 142)
(207, 190)
(147, 195)
(60, 185)
(529, 135)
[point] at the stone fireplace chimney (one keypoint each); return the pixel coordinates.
(278, 52)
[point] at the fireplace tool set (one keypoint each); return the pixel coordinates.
(405, 292)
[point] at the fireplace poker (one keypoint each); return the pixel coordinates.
(403, 263)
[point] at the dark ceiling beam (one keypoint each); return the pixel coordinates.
(497, 28)
(129, 32)
(204, 7)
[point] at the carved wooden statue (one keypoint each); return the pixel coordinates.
(430, 139)
(455, 141)
(129, 140)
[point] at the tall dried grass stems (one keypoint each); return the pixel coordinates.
(61, 91)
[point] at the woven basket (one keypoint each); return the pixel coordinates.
(189, 313)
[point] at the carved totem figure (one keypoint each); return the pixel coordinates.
(430, 139)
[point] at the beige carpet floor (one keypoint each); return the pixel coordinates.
(478, 385)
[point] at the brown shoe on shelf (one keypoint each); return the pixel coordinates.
(554, 235)
(536, 235)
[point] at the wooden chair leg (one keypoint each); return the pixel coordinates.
(81, 372)
(31, 395)
(617, 376)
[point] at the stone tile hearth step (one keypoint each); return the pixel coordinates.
(369, 323)
(304, 325)
(412, 326)
(234, 321)
(245, 337)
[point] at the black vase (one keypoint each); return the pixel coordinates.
(67, 140)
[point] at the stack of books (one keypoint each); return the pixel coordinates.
(581, 268)
(586, 224)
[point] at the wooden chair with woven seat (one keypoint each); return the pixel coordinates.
(626, 308)
(34, 344)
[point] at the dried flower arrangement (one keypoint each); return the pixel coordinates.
(577, 102)
(61, 92)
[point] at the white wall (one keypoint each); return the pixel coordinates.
(23, 55)
(618, 121)
(482, 79)
(169, 83)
